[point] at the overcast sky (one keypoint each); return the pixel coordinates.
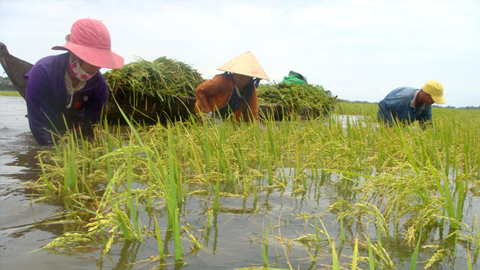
(359, 50)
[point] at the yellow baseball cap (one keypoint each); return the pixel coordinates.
(435, 89)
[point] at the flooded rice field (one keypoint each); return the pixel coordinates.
(294, 221)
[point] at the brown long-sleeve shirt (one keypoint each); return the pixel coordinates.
(216, 92)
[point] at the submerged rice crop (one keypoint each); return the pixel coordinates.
(307, 193)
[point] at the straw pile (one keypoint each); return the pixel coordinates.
(162, 78)
(164, 81)
(297, 96)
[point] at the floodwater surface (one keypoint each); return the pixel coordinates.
(230, 242)
(20, 233)
(233, 239)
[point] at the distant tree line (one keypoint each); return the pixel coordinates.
(466, 108)
(6, 84)
(441, 107)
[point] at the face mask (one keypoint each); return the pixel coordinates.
(78, 72)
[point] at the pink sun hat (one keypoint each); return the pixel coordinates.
(89, 39)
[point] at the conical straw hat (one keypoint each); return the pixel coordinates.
(245, 64)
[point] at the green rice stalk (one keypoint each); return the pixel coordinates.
(254, 188)
(159, 240)
(207, 146)
(123, 227)
(137, 223)
(209, 218)
(355, 254)
(335, 260)
(216, 204)
(477, 242)
(102, 232)
(413, 262)
(128, 193)
(342, 229)
(271, 140)
(396, 220)
(172, 203)
(265, 246)
(44, 177)
(445, 194)
(276, 249)
(238, 154)
(176, 160)
(371, 260)
(462, 189)
(70, 181)
(269, 170)
(171, 198)
(412, 161)
(222, 157)
(469, 259)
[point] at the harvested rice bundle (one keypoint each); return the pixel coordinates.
(162, 78)
(297, 96)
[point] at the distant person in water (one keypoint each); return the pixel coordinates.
(68, 90)
(409, 104)
(233, 93)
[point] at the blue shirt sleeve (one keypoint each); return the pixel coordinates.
(396, 106)
(384, 113)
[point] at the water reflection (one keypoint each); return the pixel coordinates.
(231, 237)
(22, 221)
(128, 255)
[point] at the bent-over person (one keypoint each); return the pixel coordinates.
(233, 93)
(408, 104)
(67, 91)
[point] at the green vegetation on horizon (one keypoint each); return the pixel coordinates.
(10, 94)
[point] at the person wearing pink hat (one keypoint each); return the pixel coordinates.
(68, 91)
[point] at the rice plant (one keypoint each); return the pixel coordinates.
(389, 187)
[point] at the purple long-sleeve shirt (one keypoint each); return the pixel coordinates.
(47, 99)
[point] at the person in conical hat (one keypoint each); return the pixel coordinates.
(233, 92)
(409, 104)
(68, 91)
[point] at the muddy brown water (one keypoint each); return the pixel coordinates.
(232, 241)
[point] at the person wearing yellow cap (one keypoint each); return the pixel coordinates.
(408, 104)
(233, 92)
